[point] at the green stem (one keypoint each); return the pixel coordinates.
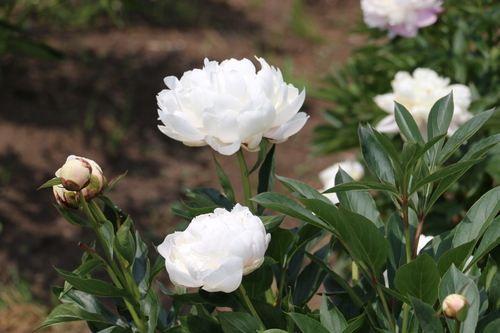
(386, 307)
(458, 325)
(114, 270)
(244, 297)
(406, 313)
(354, 273)
(247, 189)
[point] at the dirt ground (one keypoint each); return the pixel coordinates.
(100, 103)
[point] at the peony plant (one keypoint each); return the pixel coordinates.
(345, 267)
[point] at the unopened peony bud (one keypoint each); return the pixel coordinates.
(75, 174)
(66, 198)
(79, 174)
(452, 304)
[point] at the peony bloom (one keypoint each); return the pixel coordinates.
(216, 250)
(327, 176)
(418, 93)
(230, 105)
(452, 304)
(76, 171)
(400, 17)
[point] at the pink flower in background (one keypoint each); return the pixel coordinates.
(400, 17)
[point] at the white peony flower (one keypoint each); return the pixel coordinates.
(418, 93)
(327, 176)
(400, 17)
(216, 250)
(230, 105)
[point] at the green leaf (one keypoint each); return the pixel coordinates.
(359, 235)
(113, 182)
(198, 324)
(358, 202)
(92, 286)
(456, 256)
(426, 316)
(407, 124)
(464, 133)
(267, 171)
(331, 318)
(489, 241)
(419, 278)
(124, 243)
(440, 117)
(307, 324)
(108, 234)
(355, 324)
(51, 183)
(455, 282)
(70, 312)
(490, 281)
(224, 182)
(311, 278)
(285, 205)
(444, 172)
(158, 266)
(238, 322)
(375, 156)
(481, 148)
(70, 216)
(264, 147)
(278, 248)
(141, 266)
(84, 269)
(364, 186)
(150, 306)
(302, 189)
(258, 281)
(271, 222)
(354, 297)
(478, 218)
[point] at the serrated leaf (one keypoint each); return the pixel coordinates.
(419, 278)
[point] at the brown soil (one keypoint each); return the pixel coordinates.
(100, 103)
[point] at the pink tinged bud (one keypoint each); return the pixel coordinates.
(66, 198)
(452, 305)
(75, 174)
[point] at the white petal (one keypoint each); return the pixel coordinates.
(226, 278)
(388, 125)
(287, 113)
(224, 149)
(385, 102)
(286, 130)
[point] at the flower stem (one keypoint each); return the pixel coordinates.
(244, 297)
(458, 325)
(246, 181)
(386, 308)
(114, 270)
(406, 312)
